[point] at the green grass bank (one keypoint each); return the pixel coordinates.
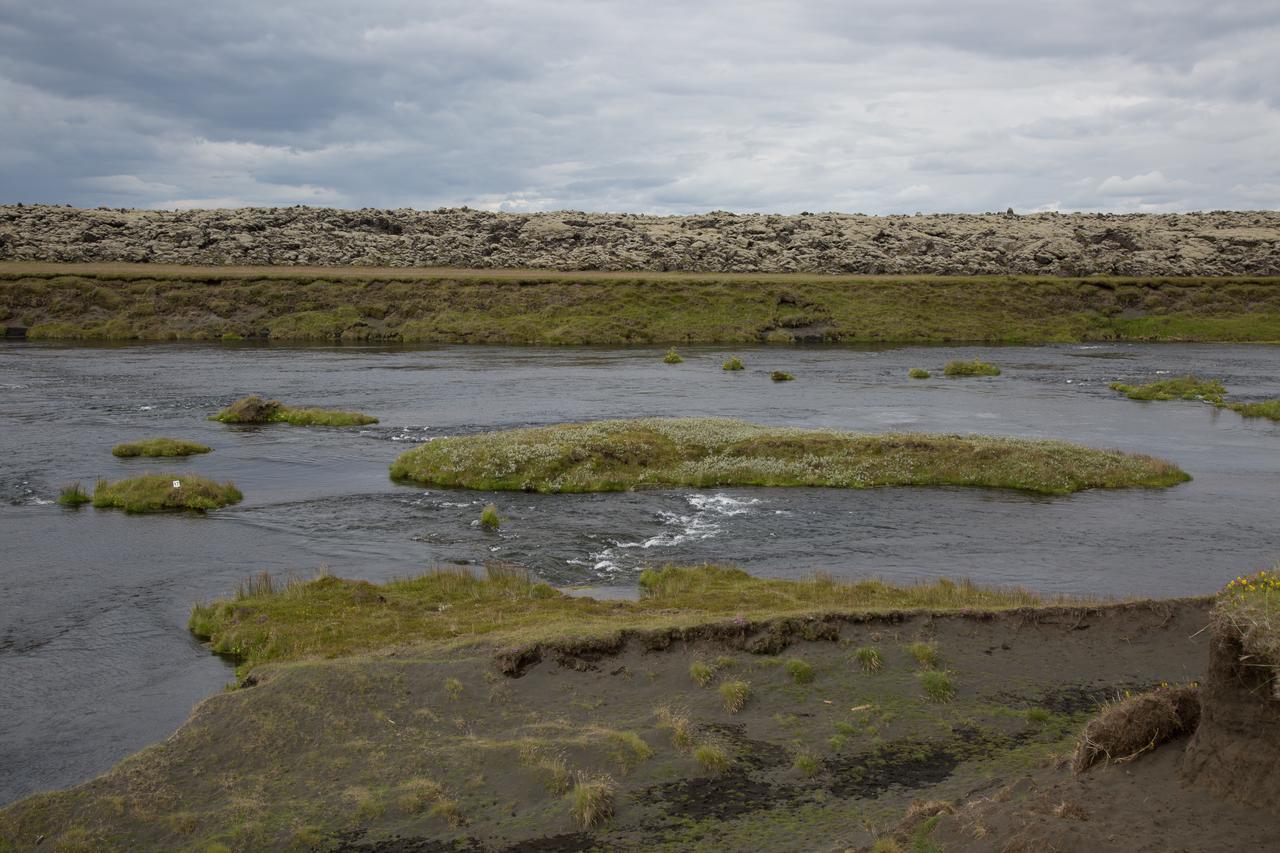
(144, 302)
(616, 455)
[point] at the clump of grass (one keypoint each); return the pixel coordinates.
(553, 767)
(1132, 725)
(1038, 716)
(701, 672)
(1249, 608)
(733, 363)
(672, 357)
(618, 455)
(1176, 388)
(800, 671)
(159, 447)
(417, 795)
(629, 749)
(157, 493)
(592, 800)
(925, 654)
(678, 724)
(919, 373)
(453, 689)
(937, 685)
(73, 495)
(977, 367)
(489, 519)
(807, 763)
(781, 376)
(869, 658)
(735, 694)
(711, 758)
(255, 410)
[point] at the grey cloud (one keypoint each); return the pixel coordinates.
(665, 106)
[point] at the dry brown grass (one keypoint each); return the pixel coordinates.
(1133, 725)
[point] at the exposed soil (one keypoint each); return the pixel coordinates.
(322, 755)
(1217, 243)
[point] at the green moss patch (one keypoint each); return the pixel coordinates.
(165, 493)
(617, 455)
(159, 447)
(255, 410)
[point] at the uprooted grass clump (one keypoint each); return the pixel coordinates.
(617, 455)
(73, 495)
(869, 658)
(255, 410)
(1132, 725)
(977, 367)
(165, 493)
(159, 447)
(331, 617)
(1176, 388)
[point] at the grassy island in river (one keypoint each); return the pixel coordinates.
(164, 447)
(255, 410)
(617, 455)
(158, 493)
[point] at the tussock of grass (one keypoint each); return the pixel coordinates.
(869, 658)
(733, 363)
(159, 447)
(418, 795)
(701, 672)
(329, 616)
(1249, 608)
(807, 763)
(73, 495)
(1130, 726)
(977, 367)
(156, 493)
(781, 376)
(617, 455)
(1177, 388)
(800, 671)
(592, 800)
(678, 724)
(255, 410)
(919, 373)
(734, 695)
(628, 749)
(925, 654)
(672, 357)
(711, 758)
(937, 685)
(489, 518)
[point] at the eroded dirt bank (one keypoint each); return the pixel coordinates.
(478, 750)
(1197, 244)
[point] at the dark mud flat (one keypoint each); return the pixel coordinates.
(336, 754)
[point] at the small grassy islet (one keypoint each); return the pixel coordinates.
(255, 410)
(919, 373)
(977, 367)
(160, 447)
(157, 493)
(1191, 387)
(733, 363)
(73, 495)
(618, 455)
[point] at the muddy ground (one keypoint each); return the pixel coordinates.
(405, 752)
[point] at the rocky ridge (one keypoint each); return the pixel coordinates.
(1192, 244)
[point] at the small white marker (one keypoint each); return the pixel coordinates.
(177, 484)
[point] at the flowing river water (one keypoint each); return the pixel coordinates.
(95, 659)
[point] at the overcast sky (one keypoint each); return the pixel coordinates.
(875, 106)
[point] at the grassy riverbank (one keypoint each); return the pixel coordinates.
(142, 302)
(496, 713)
(616, 455)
